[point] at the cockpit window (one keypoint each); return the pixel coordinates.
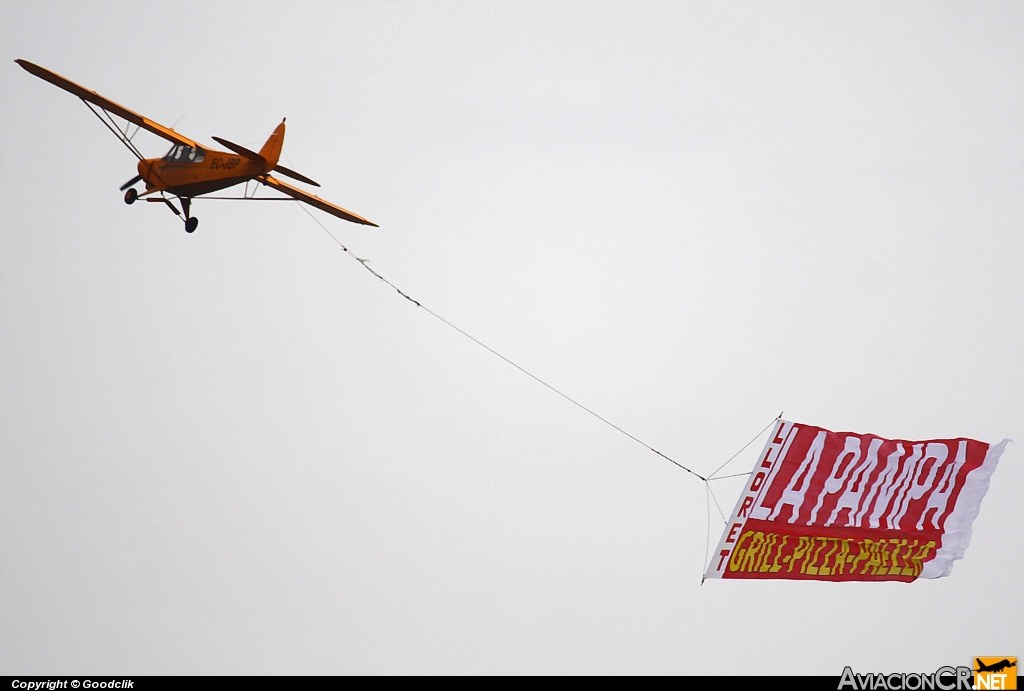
(185, 154)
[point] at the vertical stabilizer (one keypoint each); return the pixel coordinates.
(272, 149)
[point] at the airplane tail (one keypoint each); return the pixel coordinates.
(271, 151)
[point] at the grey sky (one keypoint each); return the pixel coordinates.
(237, 452)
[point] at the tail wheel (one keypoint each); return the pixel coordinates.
(130, 196)
(191, 224)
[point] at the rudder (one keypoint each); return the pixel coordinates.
(271, 151)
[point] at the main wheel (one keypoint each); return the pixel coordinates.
(191, 225)
(130, 196)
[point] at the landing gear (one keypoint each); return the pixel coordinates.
(191, 222)
(130, 196)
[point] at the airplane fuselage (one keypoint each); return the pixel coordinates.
(191, 172)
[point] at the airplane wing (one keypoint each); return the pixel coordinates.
(106, 104)
(313, 200)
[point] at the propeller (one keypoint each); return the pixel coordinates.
(130, 182)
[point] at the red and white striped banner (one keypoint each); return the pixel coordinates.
(839, 506)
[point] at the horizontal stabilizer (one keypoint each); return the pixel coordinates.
(295, 176)
(240, 150)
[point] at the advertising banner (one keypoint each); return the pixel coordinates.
(840, 506)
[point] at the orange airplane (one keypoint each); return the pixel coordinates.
(188, 170)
